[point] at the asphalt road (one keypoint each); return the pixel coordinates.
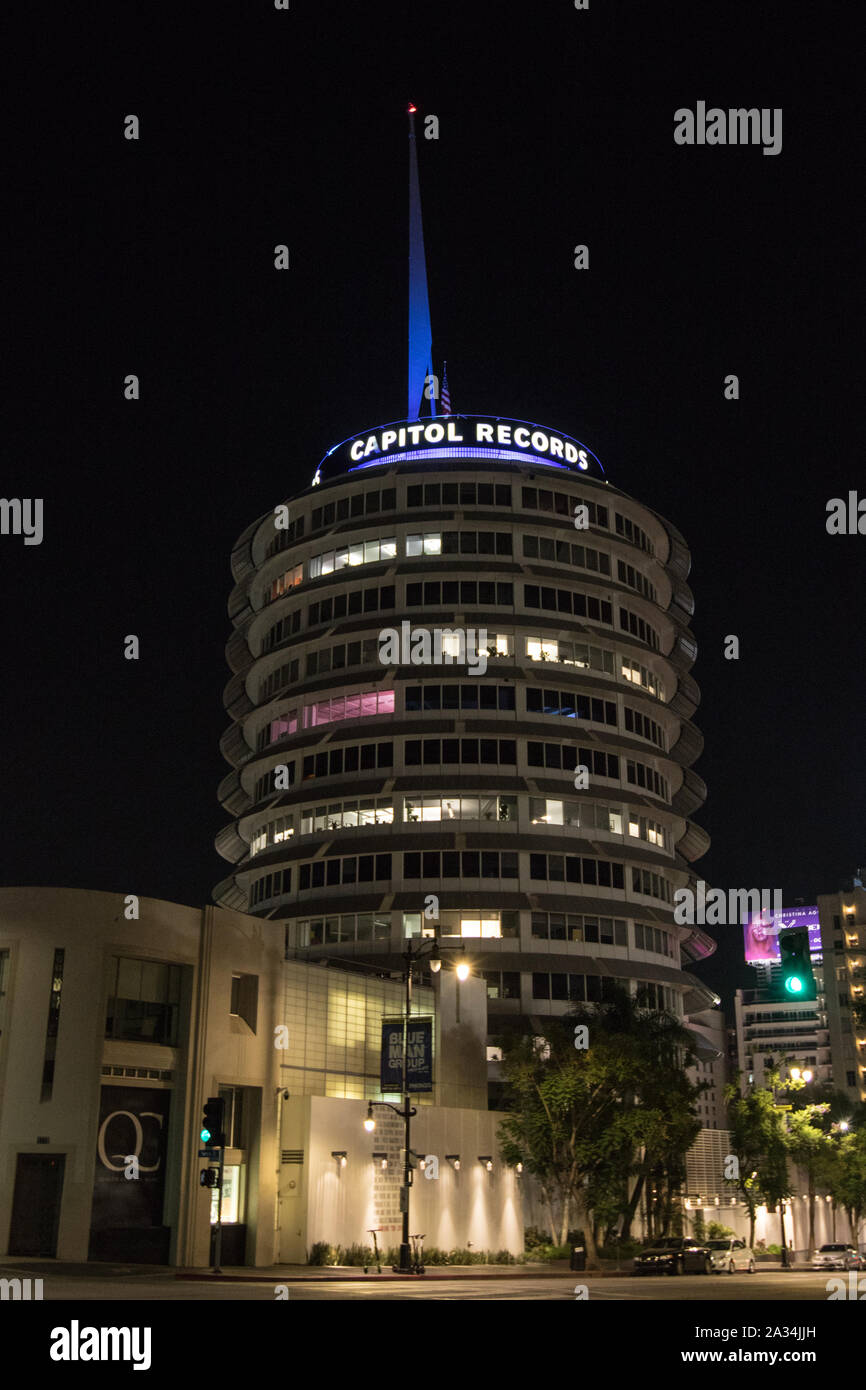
(770, 1285)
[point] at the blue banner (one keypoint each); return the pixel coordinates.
(419, 1056)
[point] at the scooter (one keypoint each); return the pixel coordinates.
(375, 1251)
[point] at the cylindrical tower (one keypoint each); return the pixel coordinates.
(461, 686)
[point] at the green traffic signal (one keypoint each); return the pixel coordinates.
(797, 977)
(205, 1136)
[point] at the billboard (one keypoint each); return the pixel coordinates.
(761, 932)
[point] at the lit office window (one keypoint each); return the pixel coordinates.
(431, 544)
(480, 926)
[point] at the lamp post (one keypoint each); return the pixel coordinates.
(429, 949)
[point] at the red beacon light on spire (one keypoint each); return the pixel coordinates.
(411, 110)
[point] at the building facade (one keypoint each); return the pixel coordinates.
(824, 1036)
(120, 1017)
(461, 696)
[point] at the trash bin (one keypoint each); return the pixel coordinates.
(578, 1257)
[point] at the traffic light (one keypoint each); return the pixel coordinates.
(798, 982)
(213, 1123)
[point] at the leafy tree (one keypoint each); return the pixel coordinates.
(806, 1141)
(584, 1121)
(758, 1143)
(851, 1183)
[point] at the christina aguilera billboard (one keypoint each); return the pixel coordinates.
(762, 932)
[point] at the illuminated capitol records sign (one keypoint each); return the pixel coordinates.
(458, 436)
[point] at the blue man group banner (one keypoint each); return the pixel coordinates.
(419, 1055)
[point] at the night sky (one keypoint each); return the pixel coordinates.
(261, 127)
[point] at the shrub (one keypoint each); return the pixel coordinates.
(321, 1254)
(717, 1231)
(622, 1250)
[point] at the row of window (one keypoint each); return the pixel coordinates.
(627, 574)
(637, 723)
(594, 989)
(367, 757)
(574, 926)
(368, 600)
(589, 815)
(574, 868)
(274, 833)
(272, 885)
(432, 865)
(566, 757)
(487, 923)
(331, 710)
(368, 811)
(452, 863)
(639, 675)
(284, 582)
(458, 495)
(342, 928)
(359, 504)
(454, 593)
(454, 697)
(647, 938)
(568, 601)
(631, 622)
(287, 674)
(365, 652)
(463, 494)
(540, 499)
(577, 989)
(460, 593)
(459, 543)
(570, 705)
(353, 868)
(286, 536)
(473, 697)
(356, 553)
(334, 762)
(564, 552)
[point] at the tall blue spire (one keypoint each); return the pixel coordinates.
(420, 332)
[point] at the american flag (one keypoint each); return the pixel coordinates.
(444, 398)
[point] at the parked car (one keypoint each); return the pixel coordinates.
(674, 1255)
(837, 1257)
(730, 1254)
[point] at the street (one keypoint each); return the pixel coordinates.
(771, 1285)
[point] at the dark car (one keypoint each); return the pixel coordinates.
(675, 1255)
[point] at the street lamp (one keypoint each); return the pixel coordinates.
(430, 950)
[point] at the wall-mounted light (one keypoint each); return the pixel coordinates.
(341, 1156)
(487, 1161)
(518, 1168)
(382, 1158)
(454, 1160)
(370, 1122)
(462, 970)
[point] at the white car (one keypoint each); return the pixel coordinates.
(730, 1254)
(837, 1257)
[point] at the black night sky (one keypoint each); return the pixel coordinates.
(260, 127)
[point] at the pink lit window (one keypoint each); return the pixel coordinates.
(355, 706)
